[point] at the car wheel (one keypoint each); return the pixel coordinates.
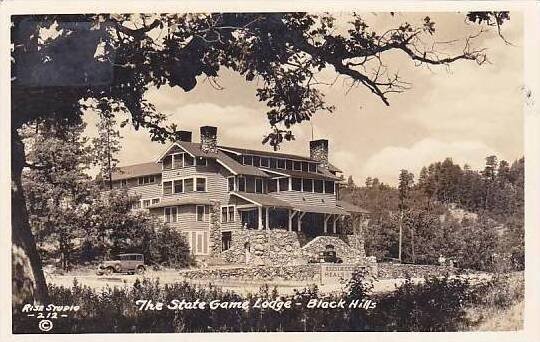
(141, 270)
(109, 271)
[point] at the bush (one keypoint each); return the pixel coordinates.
(437, 304)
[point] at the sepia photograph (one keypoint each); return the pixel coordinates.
(262, 171)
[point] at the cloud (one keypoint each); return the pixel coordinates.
(387, 163)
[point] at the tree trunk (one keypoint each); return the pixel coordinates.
(28, 281)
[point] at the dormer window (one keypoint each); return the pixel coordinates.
(289, 164)
(201, 161)
(167, 162)
(256, 161)
(147, 180)
(188, 160)
(258, 185)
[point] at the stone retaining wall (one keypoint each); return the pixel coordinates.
(389, 270)
(308, 272)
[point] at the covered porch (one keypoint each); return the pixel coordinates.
(266, 212)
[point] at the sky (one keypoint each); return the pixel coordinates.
(465, 112)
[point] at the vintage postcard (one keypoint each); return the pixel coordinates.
(250, 170)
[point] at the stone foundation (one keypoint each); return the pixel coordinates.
(282, 247)
(266, 247)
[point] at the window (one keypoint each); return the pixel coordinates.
(272, 185)
(188, 160)
(167, 188)
(288, 164)
(200, 184)
(123, 183)
(281, 163)
(248, 160)
(145, 203)
(272, 163)
(265, 162)
(307, 185)
(200, 213)
(305, 166)
(231, 183)
(147, 180)
(188, 185)
(329, 187)
(297, 166)
(202, 161)
(198, 242)
(259, 185)
(167, 162)
(178, 160)
(136, 205)
(231, 213)
(318, 186)
(227, 213)
(256, 161)
(155, 200)
(297, 184)
(226, 238)
(170, 214)
(241, 184)
(283, 184)
(178, 186)
(312, 167)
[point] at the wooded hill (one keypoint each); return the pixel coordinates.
(474, 217)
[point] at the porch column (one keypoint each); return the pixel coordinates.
(267, 223)
(326, 218)
(290, 219)
(300, 216)
(260, 218)
(334, 229)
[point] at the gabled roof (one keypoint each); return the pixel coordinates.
(136, 170)
(194, 149)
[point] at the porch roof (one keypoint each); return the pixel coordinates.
(320, 209)
(262, 199)
(179, 201)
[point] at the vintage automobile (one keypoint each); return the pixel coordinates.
(328, 255)
(129, 263)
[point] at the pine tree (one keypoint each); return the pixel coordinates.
(106, 147)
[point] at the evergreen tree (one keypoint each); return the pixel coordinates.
(106, 146)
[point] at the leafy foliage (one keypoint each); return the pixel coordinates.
(437, 304)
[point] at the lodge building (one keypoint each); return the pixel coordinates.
(212, 193)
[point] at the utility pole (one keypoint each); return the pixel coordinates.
(400, 233)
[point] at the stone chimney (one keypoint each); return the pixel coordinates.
(183, 136)
(209, 139)
(318, 150)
